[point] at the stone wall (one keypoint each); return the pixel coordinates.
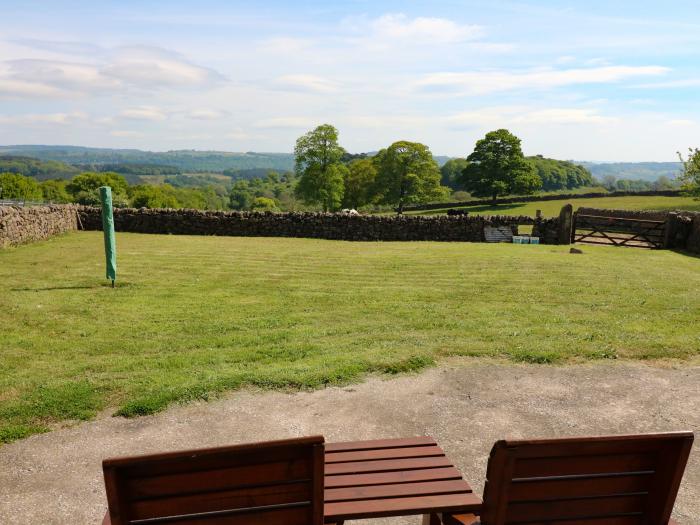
(311, 225)
(650, 215)
(19, 225)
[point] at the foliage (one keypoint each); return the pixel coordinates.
(359, 183)
(279, 187)
(560, 174)
(611, 183)
(451, 171)
(196, 316)
(498, 167)
(40, 170)
(318, 165)
(130, 168)
(190, 161)
(83, 188)
(690, 177)
(407, 174)
(18, 187)
(264, 204)
(54, 190)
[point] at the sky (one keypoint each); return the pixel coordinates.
(612, 80)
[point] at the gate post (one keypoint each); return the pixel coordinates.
(670, 230)
(566, 224)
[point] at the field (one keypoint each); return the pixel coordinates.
(195, 316)
(552, 208)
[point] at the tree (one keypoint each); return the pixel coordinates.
(54, 190)
(83, 188)
(359, 183)
(19, 187)
(318, 165)
(264, 204)
(690, 177)
(498, 167)
(407, 173)
(451, 171)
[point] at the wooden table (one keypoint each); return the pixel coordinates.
(393, 477)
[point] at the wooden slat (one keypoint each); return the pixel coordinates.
(551, 489)
(218, 479)
(386, 465)
(379, 444)
(577, 465)
(223, 500)
(396, 490)
(339, 511)
(400, 476)
(290, 516)
(387, 453)
(576, 508)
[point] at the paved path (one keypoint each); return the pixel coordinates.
(465, 405)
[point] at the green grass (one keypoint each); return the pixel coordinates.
(195, 316)
(552, 208)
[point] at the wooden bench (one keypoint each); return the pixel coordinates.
(278, 482)
(617, 480)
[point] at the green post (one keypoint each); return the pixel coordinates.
(108, 229)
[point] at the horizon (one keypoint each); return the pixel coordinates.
(579, 81)
(592, 161)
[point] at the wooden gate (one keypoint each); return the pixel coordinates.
(618, 231)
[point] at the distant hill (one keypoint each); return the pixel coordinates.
(39, 169)
(649, 171)
(185, 160)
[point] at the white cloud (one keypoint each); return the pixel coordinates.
(122, 68)
(143, 113)
(150, 66)
(125, 133)
(681, 122)
(483, 82)
(310, 83)
(32, 119)
(564, 116)
(206, 114)
(423, 29)
(286, 122)
(683, 83)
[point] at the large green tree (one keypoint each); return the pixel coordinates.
(407, 174)
(497, 166)
(318, 165)
(359, 183)
(690, 177)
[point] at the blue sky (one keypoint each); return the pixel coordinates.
(587, 80)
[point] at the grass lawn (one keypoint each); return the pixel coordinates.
(552, 208)
(194, 316)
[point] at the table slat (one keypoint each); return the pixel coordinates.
(397, 490)
(386, 465)
(379, 443)
(385, 478)
(388, 453)
(347, 510)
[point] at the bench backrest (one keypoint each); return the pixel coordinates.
(621, 480)
(278, 482)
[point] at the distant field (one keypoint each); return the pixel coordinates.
(193, 316)
(552, 208)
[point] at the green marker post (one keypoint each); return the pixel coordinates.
(108, 229)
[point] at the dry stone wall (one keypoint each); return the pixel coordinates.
(311, 225)
(19, 225)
